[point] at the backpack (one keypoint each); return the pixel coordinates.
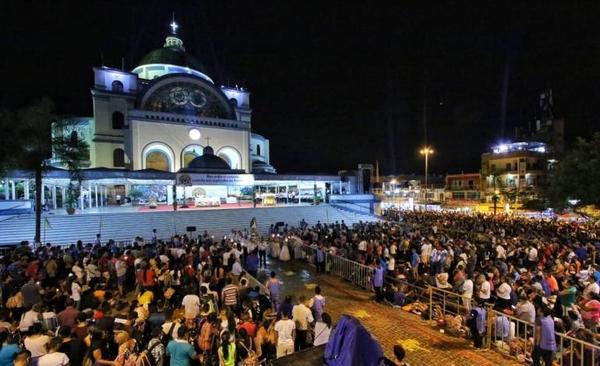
(146, 358)
(166, 338)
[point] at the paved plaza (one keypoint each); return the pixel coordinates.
(425, 345)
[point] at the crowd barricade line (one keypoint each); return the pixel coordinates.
(575, 352)
(253, 282)
(519, 341)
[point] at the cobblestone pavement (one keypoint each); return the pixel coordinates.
(424, 344)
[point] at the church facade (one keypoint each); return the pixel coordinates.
(163, 113)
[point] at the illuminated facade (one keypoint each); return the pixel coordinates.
(514, 172)
(163, 113)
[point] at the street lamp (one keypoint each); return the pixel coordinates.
(426, 151)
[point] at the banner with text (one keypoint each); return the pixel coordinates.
(215, 179)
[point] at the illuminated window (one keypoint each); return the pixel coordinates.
(118, 121)
(157, 160)
(119, 158)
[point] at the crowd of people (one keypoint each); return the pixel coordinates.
(177, 302)
(188, 301)
(544, 272)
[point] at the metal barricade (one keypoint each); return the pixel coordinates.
(509, 335)
(577, 352)
(253, 282)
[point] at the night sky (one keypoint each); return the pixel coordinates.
(333, 83)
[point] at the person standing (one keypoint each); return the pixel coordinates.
(180, 350)
(252, 263)
(545, 341)
(320, 259)
(378, 281)
(317, 304)
(467, 292)
(302, 317)
(227, 350)
(273, 284)
(262, 252)
(286, 335)
(476, 323)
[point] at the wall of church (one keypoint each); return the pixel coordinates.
(173, 138)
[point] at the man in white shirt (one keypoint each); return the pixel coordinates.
(484, 289)
(286, 333)
(53, 357)
(302, 316)
(503, 292)
(467, 292)
(191, 303)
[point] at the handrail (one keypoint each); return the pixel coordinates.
(253, 282)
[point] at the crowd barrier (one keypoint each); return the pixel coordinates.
(441, 303)
(253, 282)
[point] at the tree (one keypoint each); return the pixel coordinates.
(71, 151)
(33, 135)
(576, 181)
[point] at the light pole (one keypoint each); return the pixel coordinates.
(426, 151)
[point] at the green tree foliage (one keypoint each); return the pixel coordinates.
(32, 133)
(578, 175)
(71, 151)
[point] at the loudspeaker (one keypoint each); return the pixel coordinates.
(190, 228)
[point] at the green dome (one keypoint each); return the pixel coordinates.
(172, 56)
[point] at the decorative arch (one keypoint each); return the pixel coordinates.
(189, 153)
(157, 155)
(231, 155)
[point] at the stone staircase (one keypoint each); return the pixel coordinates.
(125, 226)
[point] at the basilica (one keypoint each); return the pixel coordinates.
(166, 129)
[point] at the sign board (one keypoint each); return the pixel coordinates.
(215, 179)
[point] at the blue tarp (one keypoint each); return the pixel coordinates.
(352, 344)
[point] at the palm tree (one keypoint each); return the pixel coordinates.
(32, 132)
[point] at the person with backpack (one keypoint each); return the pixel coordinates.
(154, 353)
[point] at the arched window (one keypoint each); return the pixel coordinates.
(257, 149)
(117, 86)
(118, 121)
(189, 156)
(119, 158)
(157, 160)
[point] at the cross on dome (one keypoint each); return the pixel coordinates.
(174, 27)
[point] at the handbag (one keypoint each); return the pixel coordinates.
(252, 358)
(87, 360)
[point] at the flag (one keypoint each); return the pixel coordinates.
(47, 223)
